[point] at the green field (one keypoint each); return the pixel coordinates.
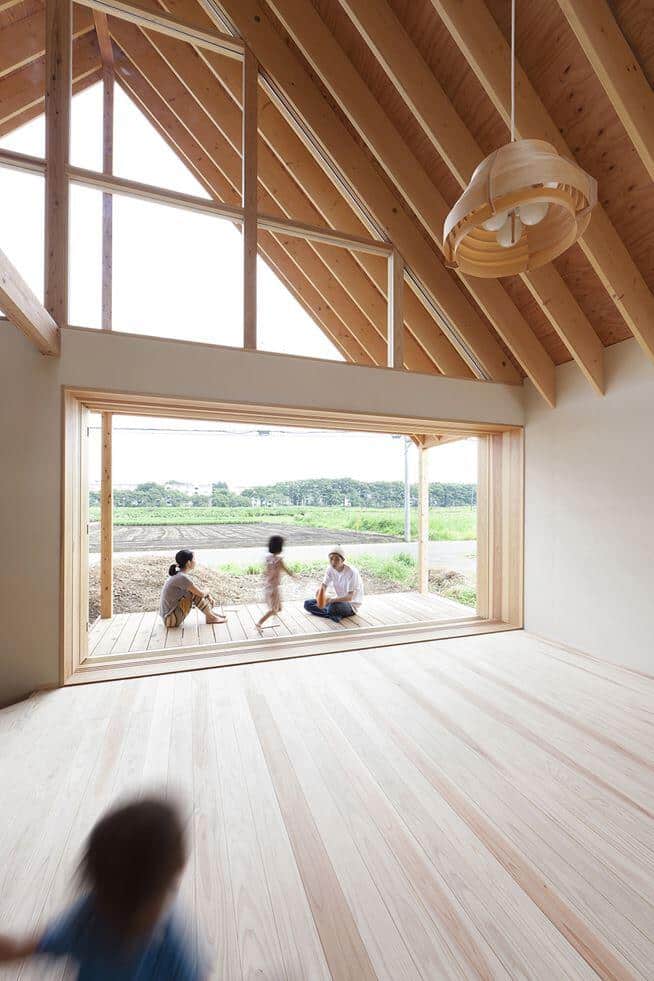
(445, 524)
(400, 571)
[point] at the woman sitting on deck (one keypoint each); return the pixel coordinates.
(180, 594)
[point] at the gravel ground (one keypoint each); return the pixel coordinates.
(138, 582)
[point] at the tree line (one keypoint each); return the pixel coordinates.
(324, 492)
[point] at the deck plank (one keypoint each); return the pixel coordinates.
(142, 632)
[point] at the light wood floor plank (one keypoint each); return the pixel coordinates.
(344, 949)
(548, 866)
(465, 808)
(488, 894)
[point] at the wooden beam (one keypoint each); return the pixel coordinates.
(25, 311)
(426, 344)
(191, 149)
(249, 193)
(351, 160)
(104, 38)
(58, 93)
(359, 104)
(24, 91)
(357, 101)
(155, 19)
(35, 109)
(569, 321)
(106, 520)
(304, 191)
(618, 70)
(23, 41)
(423, 518)
(483, 45)
(194, 88)
(107, 166)
(401, 60)
(395, 311)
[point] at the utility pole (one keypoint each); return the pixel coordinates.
(407, 491)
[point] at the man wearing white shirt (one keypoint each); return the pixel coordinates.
(345, 582)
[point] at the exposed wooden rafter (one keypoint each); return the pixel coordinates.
(22, 95)
(215, 118)
(58, 94)
(350, 159)
(309, 197)
(104, 39)
(206, 152)
(482, 43)
(153, 17)
(396, 52)
(24, 309)
(617, 69)
(360, 106)
(23, 41)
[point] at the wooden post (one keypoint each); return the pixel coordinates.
(106, 521)
(249, 199)
(500, 533)
(423, 519)
(107, 199)
(395, 329)
(58, 89)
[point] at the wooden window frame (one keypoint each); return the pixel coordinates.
(500, 532)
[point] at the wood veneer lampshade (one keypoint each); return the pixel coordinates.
(525, 172)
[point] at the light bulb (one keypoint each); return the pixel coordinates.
(533, 212)
(510, 232)
(495, 222)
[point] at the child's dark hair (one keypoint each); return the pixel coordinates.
(275, 544)
(182, 559)
(132, 858)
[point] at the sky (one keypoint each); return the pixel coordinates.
(179, 274)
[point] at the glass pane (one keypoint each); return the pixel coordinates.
(176, 273)
(22, 199)
(283, 324)
(86, 128)
(147, 126)
(22, 90)
(85, 280)
(335, 310)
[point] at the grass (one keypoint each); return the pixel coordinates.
(445, 524)
(400, 570)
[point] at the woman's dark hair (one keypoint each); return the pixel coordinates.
(275, 544)
(182, 559)
(133, 856)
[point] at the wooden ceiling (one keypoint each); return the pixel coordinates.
(405, 96)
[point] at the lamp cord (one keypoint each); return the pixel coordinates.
(513, 2)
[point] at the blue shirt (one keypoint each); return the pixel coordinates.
(87, 939)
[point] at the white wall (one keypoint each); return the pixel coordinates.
(589, 572)
(30, 446)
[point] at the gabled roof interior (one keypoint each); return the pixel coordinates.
(193, 98)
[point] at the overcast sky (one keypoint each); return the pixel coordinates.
(178, 274)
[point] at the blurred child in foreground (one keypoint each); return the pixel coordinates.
(121, 928)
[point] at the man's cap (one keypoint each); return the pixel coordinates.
(337, 550)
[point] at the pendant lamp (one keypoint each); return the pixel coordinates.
(525, 205)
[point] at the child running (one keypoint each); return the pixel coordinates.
(121, 929)
(272, 573)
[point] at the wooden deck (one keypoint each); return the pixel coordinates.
(127, 633)
(460, 809)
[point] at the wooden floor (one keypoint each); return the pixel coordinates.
(468, 808)
(131, 632)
